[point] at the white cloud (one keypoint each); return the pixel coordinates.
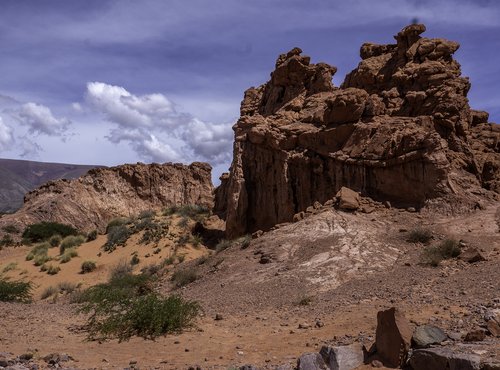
(6, 136)
(156, 130)
(40, 120)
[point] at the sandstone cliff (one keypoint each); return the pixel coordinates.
(399, 128)
(90, 201)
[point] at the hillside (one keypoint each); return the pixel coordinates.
(18, 177)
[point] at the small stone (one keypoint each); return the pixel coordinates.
(472, 255)
(493, 328)
(377, 363)
(319, 324)
(411, 209)
(218, 317)
(476, 335)
(304, 326)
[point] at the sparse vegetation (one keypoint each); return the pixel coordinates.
(122, 268)
(184, 222)
(71, 241)
(126, 306)
(11, 266)
(245, 241)
(118, 221)
(52, 270)
(88, 266)
(168, 261)
(44, 230)
(6, 241)
(223, 245)
(305, 300)
(62, 287)
(92, 235)
(146, 214)
(68, 255)
(55, 240)
(15, 291)
(420, 235)
(447, 249)
(184, 277)
(196, 240)
(10, 229)
(39, 251)
(117, 235)
(135, 260)
(49, 292)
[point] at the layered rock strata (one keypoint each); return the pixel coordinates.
(399, 128)
(90, 201)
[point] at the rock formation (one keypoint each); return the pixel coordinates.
(90, 201)
(399, 128)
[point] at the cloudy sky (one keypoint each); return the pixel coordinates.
(115, 81)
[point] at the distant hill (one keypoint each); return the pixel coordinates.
(18, 177)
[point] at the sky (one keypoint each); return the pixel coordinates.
(122, 81)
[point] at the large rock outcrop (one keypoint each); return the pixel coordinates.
(90, 201)
(399, 128)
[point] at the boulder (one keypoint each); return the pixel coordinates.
(425, 335)
(493, 328)
(348, 199)
(443, 358)
(393, 337)
(476, 335)
(343, 357)
(311, 361)
(472, 255)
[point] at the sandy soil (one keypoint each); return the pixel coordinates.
(259, 301)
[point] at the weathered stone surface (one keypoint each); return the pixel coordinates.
(393, 337)
(311, 361)
(399, 128)
(90, 201)
(348, 199)
(343, 357)
(476, 335)
(472, 255)
(493, 327)
(443, 358)
(425, 335)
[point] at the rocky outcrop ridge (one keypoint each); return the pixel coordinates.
(399, 128)
(90, 201)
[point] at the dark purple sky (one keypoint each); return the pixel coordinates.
(108, 82)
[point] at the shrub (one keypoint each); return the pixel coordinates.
(184, 222)
(49, 292)
(71, 241)
(135, 260)
(118, 221)
(447, 249)
(168, 261)
(146, 214)
(184, 239)
(223, 245)
(152, 269)
(183, 277)
(88, 266)
(117, 235)
(53, 270)
(196, 240)
(10, 229)
(6, 241)
(305, 300)
(44, 230)
(38, 250)
(190, 210)
(40, 259)
(55, 240)
(15, 291)
(11, 266)
(67, 287)
(92, 235)
(245, 241)
(154, 232)
(68, 255)
(420, 235)
(122, 268)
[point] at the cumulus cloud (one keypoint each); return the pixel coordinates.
(6, 136)
(40, 120)
(155, 129)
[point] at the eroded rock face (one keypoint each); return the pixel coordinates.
(90, 201)
(399, 129)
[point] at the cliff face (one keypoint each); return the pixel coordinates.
(90, 201)
(399, 128)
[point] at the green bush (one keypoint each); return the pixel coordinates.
(420, 235)
(38, 250)
(447, 249)
(190, 210)
(117, 235)
(122, 268)
(146, 214)
(49, 292)
(135, 260)
(11, 266)
(183, 277)
(245, 241)
(92, 235)
(55, 240)
(53, 270)
(68, 255)
(88, 266)
(71, 241)
(44, 230)
(147, 316)
(15, 291)
(118, 221)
